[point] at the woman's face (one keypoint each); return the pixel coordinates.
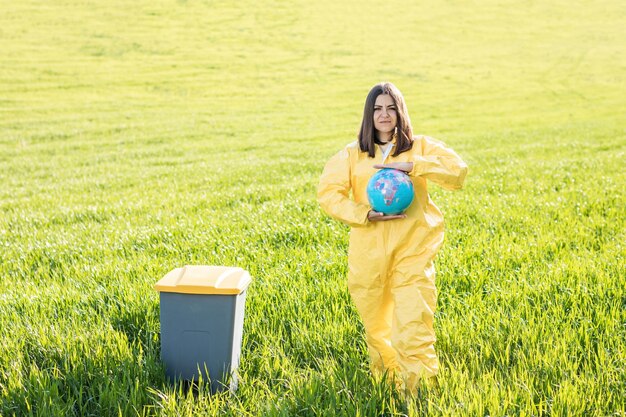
(385, 114)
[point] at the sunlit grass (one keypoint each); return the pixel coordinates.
(139, 137)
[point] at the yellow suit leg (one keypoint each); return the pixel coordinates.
(413, 335)
(374, 302)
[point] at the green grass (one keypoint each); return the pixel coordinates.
(136, 137)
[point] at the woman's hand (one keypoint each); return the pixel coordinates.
(377, 216)
(401, 166)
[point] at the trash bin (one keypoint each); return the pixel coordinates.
(202, 310)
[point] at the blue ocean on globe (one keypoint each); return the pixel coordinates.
(390, 191)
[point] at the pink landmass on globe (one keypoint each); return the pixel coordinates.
(388, 190)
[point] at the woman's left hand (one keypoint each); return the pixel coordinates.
(401, 166)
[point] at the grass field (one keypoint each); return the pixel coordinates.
(136, 137)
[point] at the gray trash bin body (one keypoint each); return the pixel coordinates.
(202, 313)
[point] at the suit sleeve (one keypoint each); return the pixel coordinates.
(437, 163)
(333, 192)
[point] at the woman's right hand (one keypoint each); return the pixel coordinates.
(377, 216)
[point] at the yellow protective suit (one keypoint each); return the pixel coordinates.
(391, 276)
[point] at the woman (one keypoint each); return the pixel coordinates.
(391, 277)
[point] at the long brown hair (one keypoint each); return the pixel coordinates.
(404, 131)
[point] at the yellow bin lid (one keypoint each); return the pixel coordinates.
(204, 279)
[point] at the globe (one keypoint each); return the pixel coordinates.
(390, 191)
